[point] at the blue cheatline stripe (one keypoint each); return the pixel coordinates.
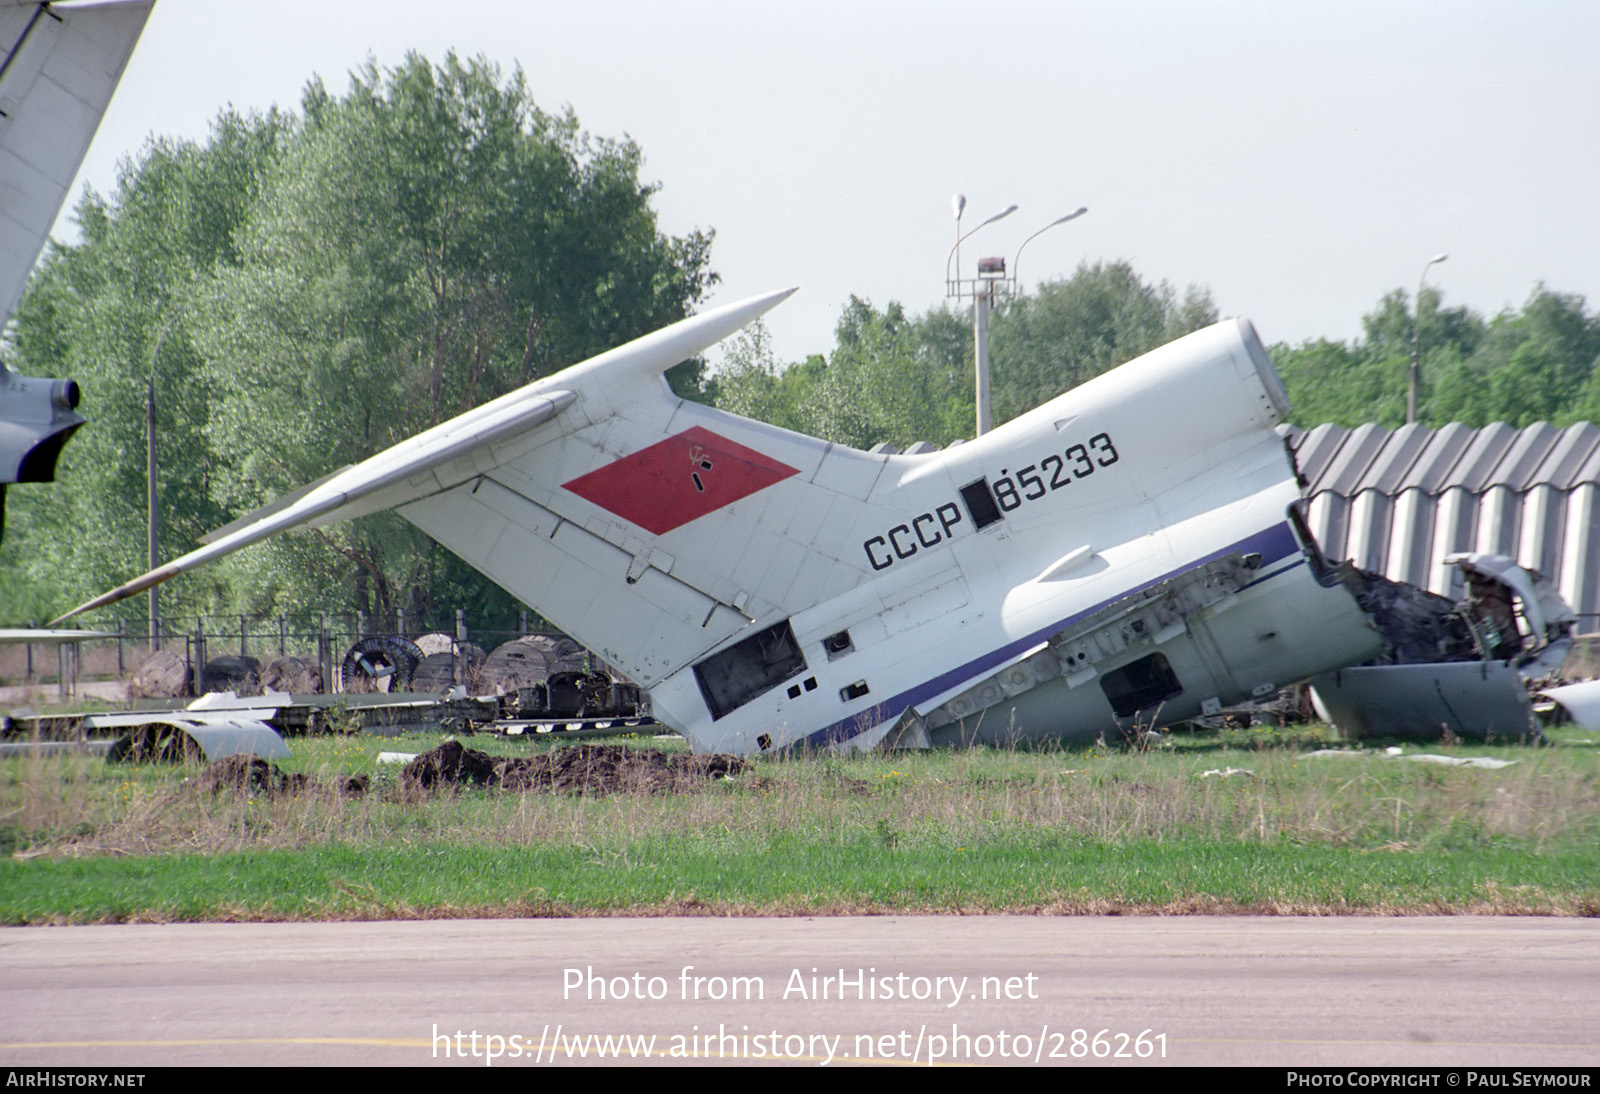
(1273, 545)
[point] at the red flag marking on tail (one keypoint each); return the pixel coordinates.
(679, 479)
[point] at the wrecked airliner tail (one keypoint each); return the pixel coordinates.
(1126, 553)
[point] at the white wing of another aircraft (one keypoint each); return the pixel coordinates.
(1128, 553)
(58, 68)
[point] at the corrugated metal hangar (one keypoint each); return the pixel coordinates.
(1397, 502)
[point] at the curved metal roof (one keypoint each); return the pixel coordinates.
(1346, 462)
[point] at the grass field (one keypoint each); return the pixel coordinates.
(978, 831)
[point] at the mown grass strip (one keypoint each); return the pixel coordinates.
(789, 877)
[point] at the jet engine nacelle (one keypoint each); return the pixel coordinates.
(37, 416)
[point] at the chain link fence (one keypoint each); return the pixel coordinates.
(306, 654)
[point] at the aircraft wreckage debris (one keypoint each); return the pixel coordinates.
(594, 770)
(1134, 553)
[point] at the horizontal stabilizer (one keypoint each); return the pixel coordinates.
(272, 507)
(337, 498)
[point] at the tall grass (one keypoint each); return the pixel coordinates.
(979, 809)
(74, 804)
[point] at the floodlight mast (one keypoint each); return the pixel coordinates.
(986, 289)
(952, 282)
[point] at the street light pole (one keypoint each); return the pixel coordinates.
(1412, 388)
(958, 205)
(151, 503)
(982, 298)
(152, 500)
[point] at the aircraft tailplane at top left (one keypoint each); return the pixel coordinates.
(58, 70)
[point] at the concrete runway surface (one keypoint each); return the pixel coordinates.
(1131, 991)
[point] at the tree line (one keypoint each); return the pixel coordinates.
(304, 288)
(1539, 363)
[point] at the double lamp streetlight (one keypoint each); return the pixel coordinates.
(986, 289)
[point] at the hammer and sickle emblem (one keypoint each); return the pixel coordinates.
(697, 456)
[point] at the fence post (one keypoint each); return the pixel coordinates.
(283, 635)
(522, 626)
(200, 654)
(61, 670)
(242, 650)
(121, 671)
(325, 654)
(400, 622)
(459, 670)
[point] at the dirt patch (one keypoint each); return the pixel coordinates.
(245, 774)
(249, 774)
(594, 770)
(451, 764)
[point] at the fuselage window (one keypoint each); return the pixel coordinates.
(980, 503)
(730, 679)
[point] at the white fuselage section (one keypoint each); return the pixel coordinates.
(1010, 631)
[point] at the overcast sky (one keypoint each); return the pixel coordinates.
(1300, 159)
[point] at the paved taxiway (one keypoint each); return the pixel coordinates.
(1331, 992)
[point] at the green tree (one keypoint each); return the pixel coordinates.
(391, 258)
(750, 382)
(1069, 331)
(427, 242)
(112, 312)
(886, 382)
(890, 379)
(901, 379)
(1536, 364)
